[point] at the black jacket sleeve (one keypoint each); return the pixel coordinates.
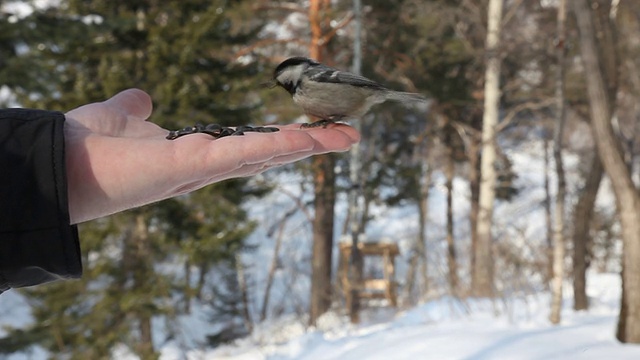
(37, 242)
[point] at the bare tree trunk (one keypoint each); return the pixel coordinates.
(547, 211)
(274, 263)
(584, 208)
(324, 200)
(188, 289)
(559, 216)
(244, 293)
(324, 181)
(354, 271)
(451, 248)
(482, 280)
(423, 216)
(141, 268)
(417, 275)
(612, 157)
(474, 185)
(203, 269)
(146, 351)
(582, 216)
(270, 276)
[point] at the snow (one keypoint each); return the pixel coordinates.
(445, 328)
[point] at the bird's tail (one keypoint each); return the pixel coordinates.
(405, 96)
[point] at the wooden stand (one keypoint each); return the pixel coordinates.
(371, 288)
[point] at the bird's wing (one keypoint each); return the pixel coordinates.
(330, 75)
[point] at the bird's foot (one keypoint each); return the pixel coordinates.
(323, 122)
(320, 123)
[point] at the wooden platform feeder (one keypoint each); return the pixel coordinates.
(371, 287)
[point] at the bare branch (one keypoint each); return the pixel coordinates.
(284, 6)
(529, 105)
(299, 203)
(344, 22)
(267, 42)
(511, 12)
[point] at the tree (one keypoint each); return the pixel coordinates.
(324, 179)
(559, 216)
(482, 281)
(83, 51)
(608, 50)
(415, 47)
(449, 174)
(319, 14)
(582, 216)
(612, 157)
(355, 193)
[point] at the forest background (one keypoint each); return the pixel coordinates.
(556, 80)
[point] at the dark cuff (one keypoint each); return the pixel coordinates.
(37, 242)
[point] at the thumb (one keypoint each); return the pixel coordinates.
(134, 103)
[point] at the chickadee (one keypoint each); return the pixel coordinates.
(331, 94)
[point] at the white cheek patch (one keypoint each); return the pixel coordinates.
(292, 74)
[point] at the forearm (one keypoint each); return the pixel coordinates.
(37, 242)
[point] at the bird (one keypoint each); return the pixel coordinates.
(330, 94)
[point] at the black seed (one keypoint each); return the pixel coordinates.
(226, 132)
(217, 131)
(213, 127)
(264, 129)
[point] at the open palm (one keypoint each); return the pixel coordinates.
(117, 160)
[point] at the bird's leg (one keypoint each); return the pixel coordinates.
(322, 122)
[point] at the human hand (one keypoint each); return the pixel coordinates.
(116, 160)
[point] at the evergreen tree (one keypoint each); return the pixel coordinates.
(181, 52)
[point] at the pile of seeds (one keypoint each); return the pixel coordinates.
(218, 131)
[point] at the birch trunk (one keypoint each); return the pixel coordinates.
(482, 281)
(559, 216)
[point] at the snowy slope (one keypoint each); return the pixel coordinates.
(448, 329)
(441, 329)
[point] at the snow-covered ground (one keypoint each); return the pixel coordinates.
(512, 328)
(446, 329)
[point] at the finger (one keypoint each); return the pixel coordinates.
(258, 148)
(207, 156)
(352, 133)
(348, 130)
(233, 152)
(134, 103)
(329, 140)
(257, 168)
(255, 148)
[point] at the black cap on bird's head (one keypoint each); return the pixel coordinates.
(286, 64)
(293, 61)
(289, 73)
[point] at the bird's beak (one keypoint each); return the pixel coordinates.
(269, 84)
